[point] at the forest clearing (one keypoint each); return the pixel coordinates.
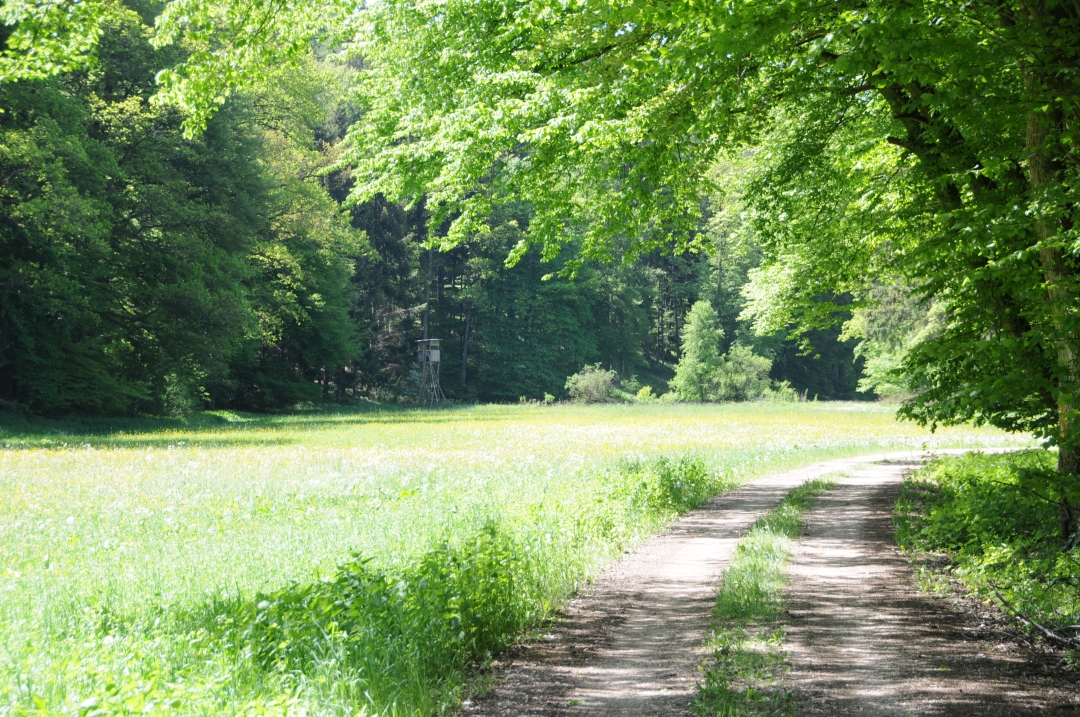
(403, 358)
(193, 571)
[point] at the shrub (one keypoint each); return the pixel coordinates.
(743, 375)
(183, 395)
(630, 385)
(645, 394)
(783, 392)
(591, 384)
(996, 517)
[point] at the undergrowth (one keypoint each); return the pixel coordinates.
(742, 677)
(994, 519)
(462, 600)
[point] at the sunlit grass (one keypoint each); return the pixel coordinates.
(125, 547)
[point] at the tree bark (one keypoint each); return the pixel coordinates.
(678, 344)
(1069, 511)
(427, 295)
(1044, 168)
(465, 343)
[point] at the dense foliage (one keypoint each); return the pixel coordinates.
(142, 271)
(995, 517)
(703, 374)
(928, 145)
(700, 362)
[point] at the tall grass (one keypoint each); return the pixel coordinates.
(742, 676)
(345, 562)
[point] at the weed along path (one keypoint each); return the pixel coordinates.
(862, 639)
(631, 643)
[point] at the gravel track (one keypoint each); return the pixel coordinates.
(630, 644)
(864, 640)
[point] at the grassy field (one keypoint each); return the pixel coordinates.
(347, 563)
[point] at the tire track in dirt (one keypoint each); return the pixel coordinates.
(864, 640)
(630, 644)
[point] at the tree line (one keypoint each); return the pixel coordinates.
(145, 270)
(922, 154)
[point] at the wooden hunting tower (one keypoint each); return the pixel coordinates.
(429, 355)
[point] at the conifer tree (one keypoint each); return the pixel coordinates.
(697, 369)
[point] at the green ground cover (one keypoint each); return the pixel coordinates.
(346, 562)
(994, 518)
(747, 660)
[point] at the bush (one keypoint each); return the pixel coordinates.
(783, 392)
(743, 375)
(591, 384)
(183, 395)
(645, 395)
(996, 517)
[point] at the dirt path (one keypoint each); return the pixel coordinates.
(863, 640)
(631, 643)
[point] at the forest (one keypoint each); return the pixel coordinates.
(148, 272)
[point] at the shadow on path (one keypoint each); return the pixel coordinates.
(631, 643)
(863, 640)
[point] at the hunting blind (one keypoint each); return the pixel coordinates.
(428, 355)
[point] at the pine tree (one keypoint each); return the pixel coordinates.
(696, 372)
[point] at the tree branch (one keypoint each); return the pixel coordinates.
(913, 118)
(900, 143)
(1046, 632)
(866, 87)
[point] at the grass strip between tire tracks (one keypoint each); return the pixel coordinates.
(743, 674)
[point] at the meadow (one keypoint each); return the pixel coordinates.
(349, 562)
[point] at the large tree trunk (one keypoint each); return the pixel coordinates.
(1044, 121)
(1068, 510)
